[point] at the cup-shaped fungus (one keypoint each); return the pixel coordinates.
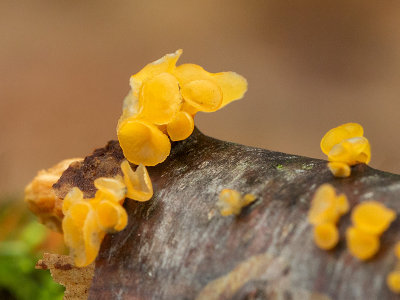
(326, 206)
(142, 142)
(393, 278)
(361, 244)
(325, 210)
(86, 221)
(110, 188)
(397, 250)
(326, 235)
(181, 127)
(345, 146)
(372, 217)
(231, 202)
(138, 183)
(393, 281)
(164, 96)
(339, 169)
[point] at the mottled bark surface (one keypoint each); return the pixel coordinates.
(177, 246)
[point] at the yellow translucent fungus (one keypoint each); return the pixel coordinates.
(110, 188)
(181, 127)
(326, 206)
(203, 95)
(361, 244)
(93, 235)
(86, 221)
(75, 195)
(186, 107)
(326, 235)
(345, 146)
(340, 133)
(393, 281)
(231, 202)
(143, 143)
(339, 169)
(352, 151)
(137, 182)
(111, 215)
(372, 217)
(325, 210)
(397, 250)
(160, 99)
(162, 102)
(232, 85)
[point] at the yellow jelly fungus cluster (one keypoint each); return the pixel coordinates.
(393, 278)
(231, 202)
(370, 219)
(86, 221)
(163, 101)
(345, 146)
(325, 211)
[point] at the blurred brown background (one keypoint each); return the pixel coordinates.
(311, 65)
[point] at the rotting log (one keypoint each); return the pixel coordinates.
(177, 246)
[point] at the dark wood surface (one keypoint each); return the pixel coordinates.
(177, 246)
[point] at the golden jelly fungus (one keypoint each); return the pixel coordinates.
(372, 217)
(138, 183)
(397, 250)
(181, 127)
(162, 102)
(345, 146)
(339, 169)
(325, 210)
(231, 202)
(86, 221)
(326, 235)
(204, 95)
(142, 142)
(393, 281)
(340, 133)
(110, 188)
(361, 244)
(160, 99)
(351, 151)
(326, 206)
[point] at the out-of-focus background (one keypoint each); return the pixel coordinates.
(311, 65)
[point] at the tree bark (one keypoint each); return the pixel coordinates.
(177, 246)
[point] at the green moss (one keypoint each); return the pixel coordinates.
(307, 166)
(19, 251)
(279, 167)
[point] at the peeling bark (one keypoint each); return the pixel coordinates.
(76, 280)
(177, 246)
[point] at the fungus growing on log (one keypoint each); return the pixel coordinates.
(231, 202)
(267, 250)
(86, 221)
(176, 247)
(325, 211)
(345, 146)
(370, 219)
(165, 95)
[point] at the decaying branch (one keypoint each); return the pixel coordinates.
(177, 246)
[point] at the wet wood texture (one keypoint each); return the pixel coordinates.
(177, 246)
